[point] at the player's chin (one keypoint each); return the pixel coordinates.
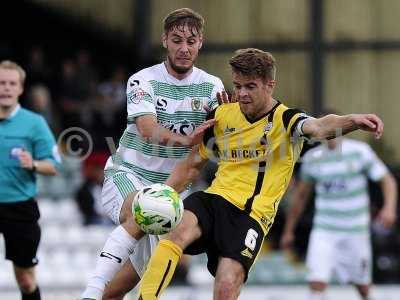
(183, 68)
(6, 103)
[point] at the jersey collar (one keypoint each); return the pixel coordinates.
(13, 113)
(264, 115)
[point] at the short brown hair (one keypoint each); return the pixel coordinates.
(10, 65)
(254, 63)
(184, 17)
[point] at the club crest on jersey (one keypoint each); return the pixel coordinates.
(197, 104)
(268, 127)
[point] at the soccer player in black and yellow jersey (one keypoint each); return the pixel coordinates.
(257, 142)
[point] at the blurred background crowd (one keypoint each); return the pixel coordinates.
(79, 54)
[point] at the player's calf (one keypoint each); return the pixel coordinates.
(26, 279)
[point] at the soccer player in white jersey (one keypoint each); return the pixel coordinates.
(340, 240)
(166, 117)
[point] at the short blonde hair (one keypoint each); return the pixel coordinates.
(10, 65)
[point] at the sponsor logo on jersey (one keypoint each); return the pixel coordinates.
(246, 252)
(240, 154)
(133, 83)
(197, 104)
(229, 130)
(161, 104)
(183, 127)
(334, 186)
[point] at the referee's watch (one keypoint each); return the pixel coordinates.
(34, 166)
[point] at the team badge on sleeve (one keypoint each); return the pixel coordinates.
(136, 95)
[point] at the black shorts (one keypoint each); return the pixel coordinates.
(21, 231)
(227, 231)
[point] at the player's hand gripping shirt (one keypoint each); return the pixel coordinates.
(255, 159)
(340, 175)
(178, 106)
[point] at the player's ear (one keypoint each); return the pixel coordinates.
(271, 83)
(201, 42)
(164, 40)
(21, 90)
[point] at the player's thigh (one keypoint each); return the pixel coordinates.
(116, 189)
(123, 282)
(356, 260)
(237, 235)
(199, 215)
(321, 258)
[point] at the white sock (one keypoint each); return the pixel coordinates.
(314, 295)
(119, 245)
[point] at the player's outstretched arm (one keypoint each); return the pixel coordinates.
(186, 171)
(331, 126)
(297, 204)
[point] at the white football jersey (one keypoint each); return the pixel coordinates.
(178, 106)
(341, 185)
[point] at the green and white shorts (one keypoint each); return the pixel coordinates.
(116, 188)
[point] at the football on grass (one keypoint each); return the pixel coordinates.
(157, 209)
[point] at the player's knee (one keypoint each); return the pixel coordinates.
(126, 209)
(186, 232)
(111, 295)
(26, 282)
(183, 236)
(226, 286)
(132, 228)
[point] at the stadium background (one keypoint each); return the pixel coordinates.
(78, 54)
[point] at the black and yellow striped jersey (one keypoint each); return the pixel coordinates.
(255, 159)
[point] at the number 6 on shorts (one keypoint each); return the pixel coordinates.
(251, 239)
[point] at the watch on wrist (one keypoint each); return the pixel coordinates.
(34, 166)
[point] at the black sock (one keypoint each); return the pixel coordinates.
(35, 295)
